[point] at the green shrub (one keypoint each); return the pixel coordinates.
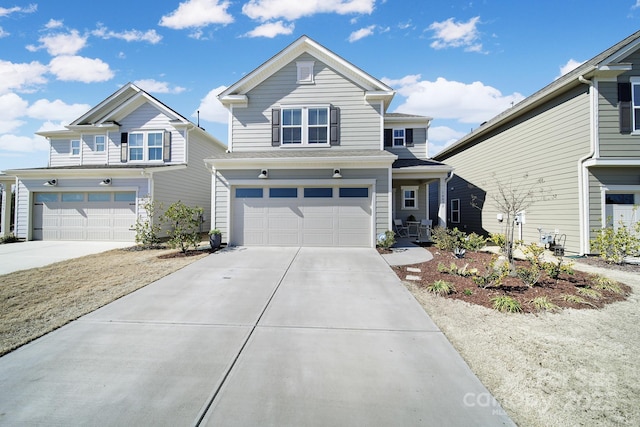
(474, 242)
(185, 224)
(147, 230)
(441, 287)
(528, 275)
(544, 304)
(507, 304)
(555, 269)
(605, 284)
(614, 245)
(9, 238)
(468, 292)
(498, 239)
(387, 239)
(589, 293)
(575, 299)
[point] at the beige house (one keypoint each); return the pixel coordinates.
(580, 134)
(314, 159)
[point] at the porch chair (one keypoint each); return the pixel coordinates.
(400, 229)
(424, 231)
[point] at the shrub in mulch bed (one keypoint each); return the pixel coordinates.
(578, 290)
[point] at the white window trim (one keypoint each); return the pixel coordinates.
(393, 137)
(455, 210)
(145, 146)
(302, 76)
(95, 143)
(635, 105)
(404, 207)
(71, 147)
(304, 126)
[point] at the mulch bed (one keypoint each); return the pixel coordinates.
(566, 284)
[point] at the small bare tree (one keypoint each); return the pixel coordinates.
(513, 197)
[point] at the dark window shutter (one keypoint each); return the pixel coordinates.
(624, 107)
(275, 127)
(334, 123)
(166, 146)
(124, 144)
(388, 137)
(408, 137)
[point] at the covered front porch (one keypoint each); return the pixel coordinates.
(419, 192)
(6, 195)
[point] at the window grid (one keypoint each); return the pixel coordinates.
(75, 147)
(398, 137)
(99, 143)
(146, 146)
(636, 105)
(455, 211)
(305, 126)
(410, 198)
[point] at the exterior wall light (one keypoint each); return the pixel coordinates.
(264, 174)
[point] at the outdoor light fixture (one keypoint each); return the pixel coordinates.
(106, 181)
(336, 173)
(51, 183)
(264, 174)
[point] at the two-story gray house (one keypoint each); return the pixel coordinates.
(105, 166)
(580, 134)
(313, 158)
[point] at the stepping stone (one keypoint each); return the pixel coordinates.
(415, 278)
(413, 270)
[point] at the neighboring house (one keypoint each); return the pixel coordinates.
(581, 134)
(104, 166)
(314, 160)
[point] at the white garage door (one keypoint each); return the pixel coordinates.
(302, 216)
(84, 216)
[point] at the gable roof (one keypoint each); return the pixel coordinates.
(374, 88)
(606, 64)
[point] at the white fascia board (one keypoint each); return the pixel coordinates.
(423, 120)
(106, 101)
(102, 172)
(235, 100)
(303, 162)
(53, 134)
(621, 162)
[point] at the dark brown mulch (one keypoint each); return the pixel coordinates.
(512, 286)
(180, 254)
(599, 262)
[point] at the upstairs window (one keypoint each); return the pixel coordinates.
(99, 143)
(635, 84)
(305, 126)
(75, 147)
(398, 137)
(146, 146)
(305, 72)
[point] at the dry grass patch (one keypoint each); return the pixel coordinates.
(36, 301)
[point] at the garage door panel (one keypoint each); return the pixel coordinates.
(86, 220)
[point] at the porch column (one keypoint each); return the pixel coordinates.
(442, 209)
(5, 209)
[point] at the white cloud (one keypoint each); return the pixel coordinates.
(12, 106)
(441, 137)
(265, 10)
(3, 33)
(52, 24)
(17, 9)
(361, 33)
(637, 5)
(571, 65)
(443, 99)
(81, 69)
(271, 29)
(21, 76)
(23, 144)
(211, 109)
(154, 86)
(456, 34)
(197, 13)
(150, 36)
(56, 110)
(61, 44)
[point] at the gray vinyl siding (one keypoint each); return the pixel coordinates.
(60, 153)
(381, 190)
(546, 144)
(612, 142)
(192, 186)
(359, 121)
(419, 148)
(419, 213)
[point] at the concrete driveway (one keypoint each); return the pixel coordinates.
(38, 253)
(251, 337)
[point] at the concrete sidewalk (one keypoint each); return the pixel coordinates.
(251, 336)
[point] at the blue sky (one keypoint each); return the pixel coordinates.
(460, 62)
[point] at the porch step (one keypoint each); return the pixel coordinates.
(413, 270)
(414, 278)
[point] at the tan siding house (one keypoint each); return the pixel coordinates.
(578, 135)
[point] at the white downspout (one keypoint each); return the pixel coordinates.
(583, 172)
(442, 210)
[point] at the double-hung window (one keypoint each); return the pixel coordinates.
(99, 143)
(635, 94)
(146, 146)
(75, 147)
(398, 137)
(409, 198)
(305, 126)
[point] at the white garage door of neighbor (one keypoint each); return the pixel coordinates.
(302, 216)
(84, 216)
